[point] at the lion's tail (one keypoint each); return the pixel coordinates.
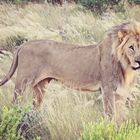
(12, 69)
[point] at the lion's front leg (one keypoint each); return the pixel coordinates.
(114, 104)
(108, 102)
(120, 106)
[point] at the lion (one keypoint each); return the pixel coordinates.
(111, 66)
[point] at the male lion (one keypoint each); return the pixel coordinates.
(110, 66)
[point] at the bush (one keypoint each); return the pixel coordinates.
(9, 120)
(98, 5)
(134, 1)
(104, 130)
(11, 42)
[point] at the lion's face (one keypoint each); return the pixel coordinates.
(132, 51)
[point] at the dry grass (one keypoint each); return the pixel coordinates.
(65, 110)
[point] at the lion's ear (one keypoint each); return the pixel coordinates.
(121, 35)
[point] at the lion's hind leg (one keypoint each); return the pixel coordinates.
(38, 93)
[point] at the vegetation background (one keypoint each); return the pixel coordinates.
(66, 114)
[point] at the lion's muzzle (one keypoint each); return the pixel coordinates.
(138, 62)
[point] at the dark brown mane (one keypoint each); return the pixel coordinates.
(128, 27)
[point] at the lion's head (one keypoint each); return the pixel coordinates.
(126, 44)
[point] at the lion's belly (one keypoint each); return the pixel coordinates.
(89, 86)
(79, 81)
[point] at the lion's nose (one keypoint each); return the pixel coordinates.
(137, 59)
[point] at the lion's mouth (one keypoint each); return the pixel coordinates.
(135, 68)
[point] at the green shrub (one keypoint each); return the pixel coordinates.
(12, 41)
(9, 120)
(134, 1)
(98, 5)
(104, 130)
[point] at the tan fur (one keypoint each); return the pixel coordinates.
(129, 77)
(110, 66)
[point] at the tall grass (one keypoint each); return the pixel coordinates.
(65, 111)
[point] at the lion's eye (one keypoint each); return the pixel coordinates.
(132, 48)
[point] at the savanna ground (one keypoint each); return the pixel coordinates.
(66, 114)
